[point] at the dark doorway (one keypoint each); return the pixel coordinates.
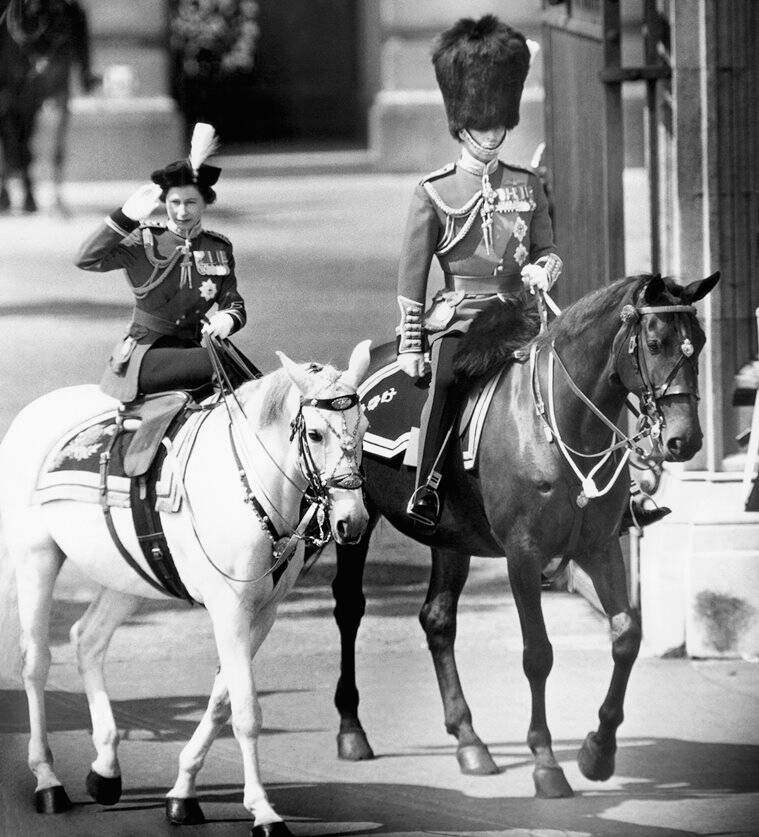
(305, 87)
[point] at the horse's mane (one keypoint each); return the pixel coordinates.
(499, 330)
(278, 386)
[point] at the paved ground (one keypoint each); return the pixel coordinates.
(317, 259)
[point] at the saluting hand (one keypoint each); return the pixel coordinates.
(219, 325)
(142, 202)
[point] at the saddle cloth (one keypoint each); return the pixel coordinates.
(71, 470)
(393, 402)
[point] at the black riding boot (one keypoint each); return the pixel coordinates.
(438, 418)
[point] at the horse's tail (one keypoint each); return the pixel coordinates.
(10, 628)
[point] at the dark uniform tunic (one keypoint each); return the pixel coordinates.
(174, 283)
(480, 265)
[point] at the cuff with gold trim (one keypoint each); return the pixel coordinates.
(236, 318)
(410, 327)
(553, 266)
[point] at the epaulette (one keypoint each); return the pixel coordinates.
(218, 235)
(439, 173)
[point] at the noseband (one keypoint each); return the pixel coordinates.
(649, 392)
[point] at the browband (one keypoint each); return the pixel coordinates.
(339, 403)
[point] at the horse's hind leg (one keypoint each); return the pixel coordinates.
(350, 605)
(607, 571)
(537, 661)
(37, 567)
(90, 637)
(438, 618)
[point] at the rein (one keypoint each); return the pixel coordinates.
(650, 419)
(316, 489)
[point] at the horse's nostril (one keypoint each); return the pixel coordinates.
(675, 445)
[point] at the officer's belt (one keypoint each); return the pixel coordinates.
(483, 284)
(155, 323)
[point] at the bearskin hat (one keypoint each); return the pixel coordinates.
(481, 66)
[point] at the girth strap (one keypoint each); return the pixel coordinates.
(147, 524)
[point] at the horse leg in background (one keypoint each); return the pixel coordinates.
(60, 136)
(607, 571)
(537, 661)
(232, 629)
(350, 605)
(90, 637)
(438, 618)
(182, 806)
(37, 567)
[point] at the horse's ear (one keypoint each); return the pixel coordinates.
(295, 372)
(358, 365)
(698, 290)
(654, 289)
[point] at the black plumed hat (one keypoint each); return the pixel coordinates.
(192, 171)
(481, 66)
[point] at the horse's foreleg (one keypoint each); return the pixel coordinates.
(607, 571)
(537, 661)
(182, 807)
(350, 604)
(438, 618)
(90, 637)
(232, 629)
(37, 568)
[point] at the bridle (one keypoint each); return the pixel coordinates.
(649, 392)
(650, 418)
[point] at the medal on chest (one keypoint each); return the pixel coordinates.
(211, 262)
(514, 197)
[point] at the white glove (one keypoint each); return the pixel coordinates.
(535, 276)
(412, 363)
(219, 325)
(142, 202)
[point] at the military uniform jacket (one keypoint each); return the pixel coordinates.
(445, 219)
(174, 287)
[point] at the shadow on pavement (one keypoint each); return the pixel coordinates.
(166, 718)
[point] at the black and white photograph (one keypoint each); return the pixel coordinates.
(379, 430)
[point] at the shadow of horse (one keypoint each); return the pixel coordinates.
(40, 42)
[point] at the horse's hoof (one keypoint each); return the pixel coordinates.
(103, 789)
(475, 760)
(184, 811)
(595, 761)
(551, 783)
(53, 800)
(271, 829)
(30, 204)
(354, 746)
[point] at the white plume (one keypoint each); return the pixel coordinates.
(203, 144)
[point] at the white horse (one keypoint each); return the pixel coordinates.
(302, 429)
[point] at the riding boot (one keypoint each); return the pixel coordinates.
(637, 514)
(438, 419)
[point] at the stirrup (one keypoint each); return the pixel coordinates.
(424, 505)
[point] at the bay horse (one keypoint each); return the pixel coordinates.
(298, 430)
(552, 480)
(40, 42)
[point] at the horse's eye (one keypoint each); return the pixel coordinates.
(315, 435)
(654, 346)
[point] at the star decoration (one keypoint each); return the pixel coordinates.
(208, 289)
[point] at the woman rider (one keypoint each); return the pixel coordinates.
(487, 222)
(176, 271)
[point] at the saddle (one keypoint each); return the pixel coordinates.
(149, 418)
(393, 403)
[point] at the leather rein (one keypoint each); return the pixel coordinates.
(317, 486)
(650, 419)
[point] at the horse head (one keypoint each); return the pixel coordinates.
(330, 426)
(657, 360)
